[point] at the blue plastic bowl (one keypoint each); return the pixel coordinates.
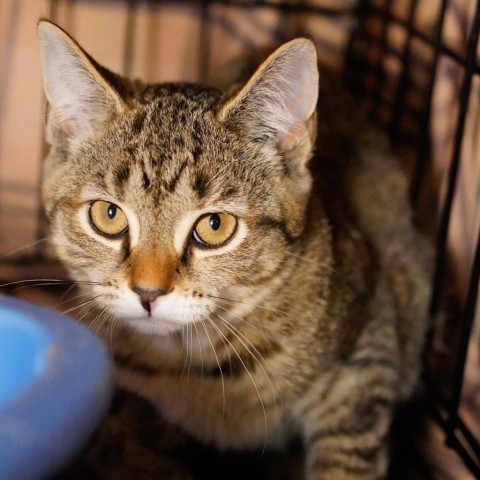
(55, 386)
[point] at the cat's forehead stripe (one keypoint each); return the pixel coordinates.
(171, 183)
(200, 184)
(122, 174)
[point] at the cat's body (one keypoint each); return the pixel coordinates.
(306, 319)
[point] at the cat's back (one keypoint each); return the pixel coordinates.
(365, 194)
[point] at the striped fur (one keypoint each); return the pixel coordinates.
(309, 322)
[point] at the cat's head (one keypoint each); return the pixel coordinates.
(169, 198)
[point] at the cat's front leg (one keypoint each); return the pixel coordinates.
(346, 429)
(350, 445)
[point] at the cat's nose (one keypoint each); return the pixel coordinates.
(147, 297)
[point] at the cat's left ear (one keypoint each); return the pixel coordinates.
(81, 99)
(278, 102)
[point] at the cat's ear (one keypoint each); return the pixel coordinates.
(80, 98)
(278, 102)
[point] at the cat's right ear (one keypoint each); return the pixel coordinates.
(278, 103)
(80, 98)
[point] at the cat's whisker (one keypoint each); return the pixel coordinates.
(39, 282)
(225, 345)
(79, 315)
(90, 310)
(238, 317)
(107, 317)
(71, 299)
(257, 355)
(72, 309)
(100, 319)
(111, 326)
(85, 308)
(31, 285)
(250, 376)
(219, 368)
(187, 339)
(93, 323)
(96, 323)
(199, 346)
(79, 319)
(250, 325)
(254, 305)
(23, 247)
(189, 350)
(185, 348)
(68, 290)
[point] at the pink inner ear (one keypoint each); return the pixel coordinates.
(280, 97)
(290, 140)
(292, 84)
(304, 94)
(63, 124)
(299, 108)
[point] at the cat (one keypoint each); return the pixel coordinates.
(251, 258)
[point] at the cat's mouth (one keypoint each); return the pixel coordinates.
(176, 311)
(166, 314)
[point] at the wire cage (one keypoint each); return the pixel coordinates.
(407, 115)
(413, 66)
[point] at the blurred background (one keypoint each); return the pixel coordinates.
(413, 66)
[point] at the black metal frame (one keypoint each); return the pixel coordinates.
(445, 405)
(361, 71)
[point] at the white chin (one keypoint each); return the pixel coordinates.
(152, 326)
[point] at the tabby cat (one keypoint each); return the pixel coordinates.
(251, 260)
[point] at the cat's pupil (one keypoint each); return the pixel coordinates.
(215, 222)
(111, 211)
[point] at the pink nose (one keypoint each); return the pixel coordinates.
(147, 297)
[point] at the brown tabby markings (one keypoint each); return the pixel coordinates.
(308, 320)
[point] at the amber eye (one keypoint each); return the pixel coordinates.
(107, 218)
(214, 229)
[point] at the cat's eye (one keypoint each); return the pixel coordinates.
(214, 229)
(107, 218)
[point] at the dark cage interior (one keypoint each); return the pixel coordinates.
(412, 64)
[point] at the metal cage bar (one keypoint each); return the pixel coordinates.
(446, 410)
(425, 148)
(404, 77)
